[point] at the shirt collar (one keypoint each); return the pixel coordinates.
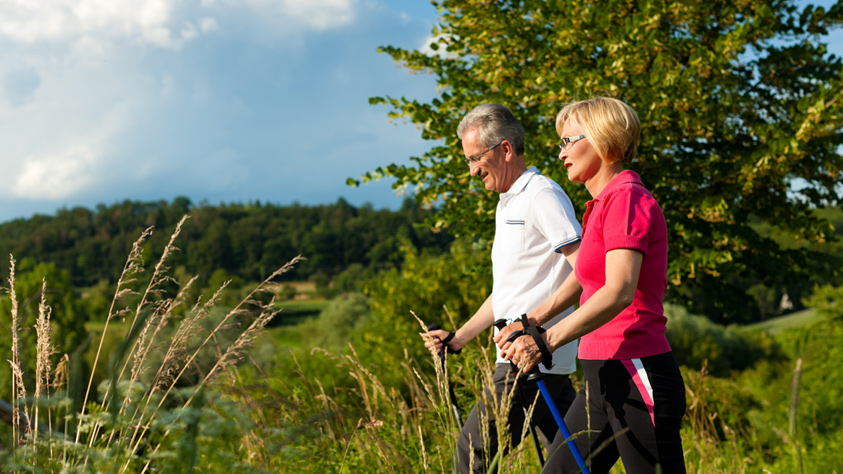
(626, 176)
(521, 183)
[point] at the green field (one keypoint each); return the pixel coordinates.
(791, 321)
(293, 312)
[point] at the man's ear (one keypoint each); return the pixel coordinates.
(509, 151)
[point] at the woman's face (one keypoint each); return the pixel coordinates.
(580, 158)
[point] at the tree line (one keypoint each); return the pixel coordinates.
(248, 241)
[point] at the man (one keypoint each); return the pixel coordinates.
(535, 248)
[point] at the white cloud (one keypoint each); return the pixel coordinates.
(113, 99)
(291, 16)
(31, 21)
(167, 24)
(56, 176)
(207, 24)
(426, 48)
(145, 21)
(61, 121)
(188, 32)
(319, 14)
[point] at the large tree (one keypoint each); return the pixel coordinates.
(741, 111)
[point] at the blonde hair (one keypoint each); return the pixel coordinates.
(612, 126)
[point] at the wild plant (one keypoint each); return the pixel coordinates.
(153, 413)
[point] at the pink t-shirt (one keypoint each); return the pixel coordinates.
(625, 216)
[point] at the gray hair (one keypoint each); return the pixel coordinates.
(496, 123)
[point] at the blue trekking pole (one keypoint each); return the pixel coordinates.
(536, 376)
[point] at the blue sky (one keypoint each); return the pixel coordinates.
(217, 100)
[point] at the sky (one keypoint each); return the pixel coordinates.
(218, 100)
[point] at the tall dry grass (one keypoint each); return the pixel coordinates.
(129, 422)
(173, 401)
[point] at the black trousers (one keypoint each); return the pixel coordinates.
(484, 446)
(630, 409)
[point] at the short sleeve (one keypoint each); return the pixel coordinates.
(555, 218)
(627, 219)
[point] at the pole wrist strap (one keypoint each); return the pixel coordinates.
(536, 332)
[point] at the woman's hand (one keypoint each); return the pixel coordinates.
(524, 353)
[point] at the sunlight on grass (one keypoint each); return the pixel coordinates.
(791, 321)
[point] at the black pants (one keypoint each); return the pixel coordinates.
(630, 409)
(472, 439)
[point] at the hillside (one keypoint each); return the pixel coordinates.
(242, 240)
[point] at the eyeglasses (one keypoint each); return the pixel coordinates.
(475, 158)
(566, 142)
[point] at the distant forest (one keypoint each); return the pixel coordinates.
(245, 240)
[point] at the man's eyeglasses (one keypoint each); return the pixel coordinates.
(566, 142)
(475, 158)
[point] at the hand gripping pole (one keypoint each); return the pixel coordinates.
(500, 324)
(536, 376)
(451, 394)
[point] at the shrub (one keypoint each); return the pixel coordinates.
(697, 341)
(334, 325)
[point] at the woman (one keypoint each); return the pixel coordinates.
(633, 399)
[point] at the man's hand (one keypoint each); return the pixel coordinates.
(433, 341)
(502, 335)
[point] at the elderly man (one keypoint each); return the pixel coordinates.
(535, 247)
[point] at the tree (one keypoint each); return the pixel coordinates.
(740, 105)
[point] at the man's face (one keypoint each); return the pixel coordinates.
(494, 167)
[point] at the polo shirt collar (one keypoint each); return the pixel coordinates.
(521, 183)
(626, 176)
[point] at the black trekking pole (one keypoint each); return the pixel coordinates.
(452, 395)
(537, 377)
(500, 324)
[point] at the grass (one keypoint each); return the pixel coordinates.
(284, 336)
(149, 414)
(791, 321)
(181, 394)
(294, 311)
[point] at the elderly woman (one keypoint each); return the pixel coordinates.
(633, 399)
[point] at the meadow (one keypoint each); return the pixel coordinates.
(345, 385)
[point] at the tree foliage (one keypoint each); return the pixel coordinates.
(426, 285)
(741, 113)
(230, 240)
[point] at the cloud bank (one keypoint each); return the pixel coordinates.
(102, 100)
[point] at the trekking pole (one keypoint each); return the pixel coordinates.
(451, 394)
(536, 376)
(500, 324)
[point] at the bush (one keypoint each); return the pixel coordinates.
(334, 325)
(696, 341)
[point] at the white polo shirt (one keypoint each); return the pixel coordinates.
(533, 221)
